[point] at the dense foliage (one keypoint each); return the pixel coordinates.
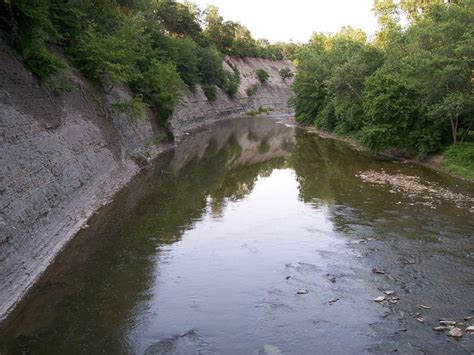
(158, 47)
(410, 88)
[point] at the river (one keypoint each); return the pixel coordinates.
(252, 237)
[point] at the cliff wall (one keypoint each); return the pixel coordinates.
(64, 152)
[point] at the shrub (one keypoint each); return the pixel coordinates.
(232, 80)
(210, 91)
(211, 67)
(262, 75)
(259, 111)
(184, 53)
(28, 29)
(109, 58)
(251, 90)
(459, 159)
(163, 87)
(286, 73)
(134, 109)
(156, 139)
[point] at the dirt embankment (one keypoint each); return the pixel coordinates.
(63, 154)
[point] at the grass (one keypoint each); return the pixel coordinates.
(459, 159)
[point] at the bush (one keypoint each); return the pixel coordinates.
(286, 73)
(210, 91)
(156, 139)
(459, 159)
(232, 80)
(28, 30)
(109, 58)
(211, 68)
(262, 75)
(251, 90)
(134, 109)
(163, 87)
(259, 111)
(184, 53)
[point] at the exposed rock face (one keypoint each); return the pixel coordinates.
(197, 111)
(62, 156)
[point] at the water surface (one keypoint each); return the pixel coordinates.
(205, 251)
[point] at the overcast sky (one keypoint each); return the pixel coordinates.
(284, 20)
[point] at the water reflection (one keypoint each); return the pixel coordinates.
(193, 254)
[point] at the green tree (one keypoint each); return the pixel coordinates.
(110, 58)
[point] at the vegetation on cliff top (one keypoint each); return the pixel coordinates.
(158, 47)
(410, 88)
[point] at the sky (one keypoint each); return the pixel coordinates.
(285, 20)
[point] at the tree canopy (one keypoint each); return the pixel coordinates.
(153, 45)
(410, 88)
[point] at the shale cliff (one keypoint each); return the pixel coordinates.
(64, 152)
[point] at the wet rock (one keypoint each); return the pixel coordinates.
(419, 317)
(447, 322)
(271, 350)
(333, 279)
(377, 271)
(424, 306)
(187, 343)
(379, 299)
(302, 291)
(455, 333)
(288, 277)
(334, 300)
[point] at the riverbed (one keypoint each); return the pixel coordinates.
(253, 237)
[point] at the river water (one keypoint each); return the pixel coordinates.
(204, 253)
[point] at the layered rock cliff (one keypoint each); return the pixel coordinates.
(65, 152)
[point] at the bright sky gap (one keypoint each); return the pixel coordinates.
(296, 20)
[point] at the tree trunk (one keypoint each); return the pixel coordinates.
(454, 129)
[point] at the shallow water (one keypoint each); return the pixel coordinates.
(206, 250)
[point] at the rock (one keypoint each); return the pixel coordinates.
(389, 293)
(424, 307)
(288, 277)
(333, 279)
(455, 333)
(468, 317)
(470, 329)
(334, 300)
(440, 328)
(271, 350)
(379, 299)
(377, 271)
(302, 291)
(420, 319)
(447, 322)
